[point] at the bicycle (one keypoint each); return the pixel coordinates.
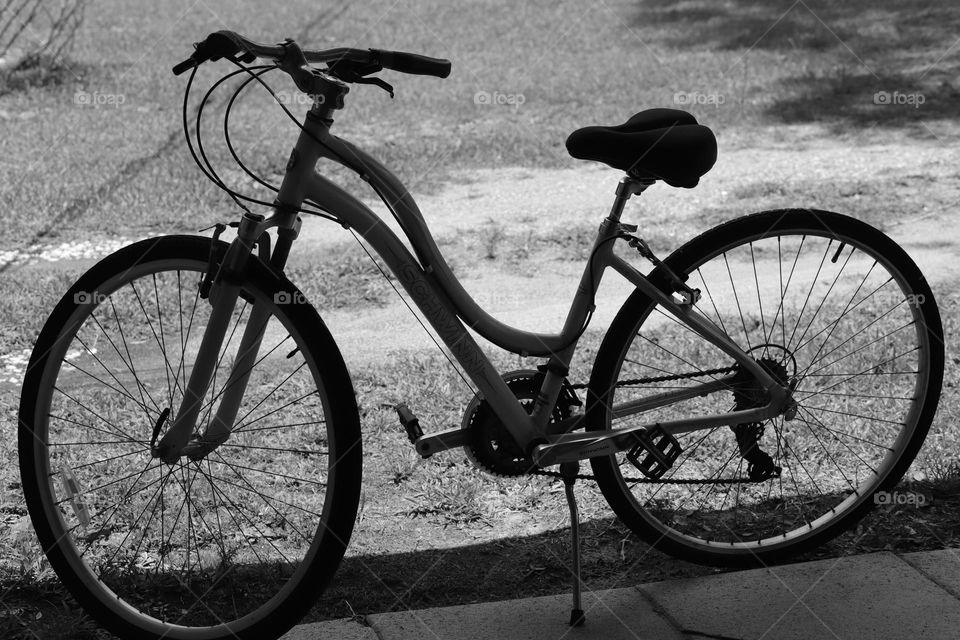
(189, 436)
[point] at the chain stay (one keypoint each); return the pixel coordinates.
(637, 381)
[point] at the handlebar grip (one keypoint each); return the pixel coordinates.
(413, 63)
(186, 65)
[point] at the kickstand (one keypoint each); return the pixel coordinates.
(569, 471)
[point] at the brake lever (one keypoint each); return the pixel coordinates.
(378, 82)
(357, 74)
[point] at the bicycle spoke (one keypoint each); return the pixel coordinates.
(806, 300)
(275, 427)
(116, 457)
(303, 452)
(826, 295)
(121, 391)
(756, 280)
(163, 352)
(93, 428)
(733, 287)
(271, 392)
(833, 433)
(117, 430)
(858, 350)
(244, 426)
(785, 287)
(128, 361)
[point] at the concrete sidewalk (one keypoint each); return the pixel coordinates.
(881, 595)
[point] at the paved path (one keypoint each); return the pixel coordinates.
(881, 595)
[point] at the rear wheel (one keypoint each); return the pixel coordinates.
(823, 302)
(237, 544)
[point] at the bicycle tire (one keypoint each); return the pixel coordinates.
(249, 553)
(664, 513)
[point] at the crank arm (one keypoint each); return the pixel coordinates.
(580, 446)
(443, 441)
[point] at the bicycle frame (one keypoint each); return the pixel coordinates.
(447, 306)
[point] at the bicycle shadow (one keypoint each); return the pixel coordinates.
(860, 65)
(524, 566)
(503, 569)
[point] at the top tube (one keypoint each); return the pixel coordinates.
(401, 203)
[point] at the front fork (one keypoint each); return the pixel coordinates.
(179, 439)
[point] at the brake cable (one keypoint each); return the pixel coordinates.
(214, 176)
(226, 128)
(205, 165)
(210, 173)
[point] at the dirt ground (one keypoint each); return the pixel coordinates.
(520, 201)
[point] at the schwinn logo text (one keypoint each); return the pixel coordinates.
(450, 330)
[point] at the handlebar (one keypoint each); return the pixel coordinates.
(345, 63)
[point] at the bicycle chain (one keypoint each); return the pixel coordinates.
(634, 381)
(678, 376)
(587, 476)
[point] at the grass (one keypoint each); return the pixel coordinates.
(125, 167)
(871, 200)
(340, 277)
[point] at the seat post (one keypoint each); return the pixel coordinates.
(629, 186)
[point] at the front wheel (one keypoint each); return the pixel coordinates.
(826, 304)
(237, 544)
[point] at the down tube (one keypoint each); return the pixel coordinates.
(430, 300)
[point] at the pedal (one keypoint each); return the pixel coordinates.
(409, 422)
(661, 449)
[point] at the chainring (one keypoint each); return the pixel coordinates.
(489, 444)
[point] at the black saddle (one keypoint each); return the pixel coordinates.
(656, 144)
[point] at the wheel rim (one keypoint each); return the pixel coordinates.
(835, 454)
(191, 548)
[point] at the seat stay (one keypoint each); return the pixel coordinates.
(703, 327)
